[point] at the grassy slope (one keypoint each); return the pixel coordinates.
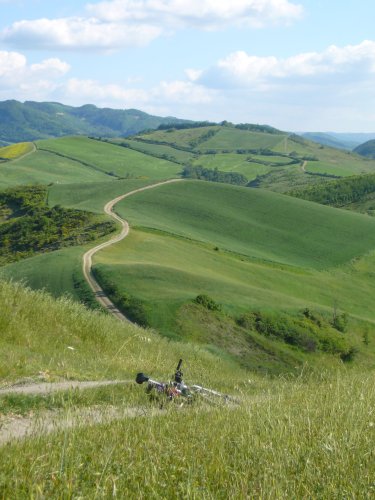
(254, 223)
(51, 271)
(307, 435)
(91, 196)
(232, 163)
(90, 190)
(110, 158)
(231, 138)
(45, 168)
(36, 331)
(157, 150)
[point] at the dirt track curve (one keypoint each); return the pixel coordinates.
(100, 295)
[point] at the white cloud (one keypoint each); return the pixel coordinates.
(127, 23)
(76, 90)
(207, 14)
(181, 91)
(19, 79)
(164, 95)
(72, 33)
(11, 63)
(240, 69)
(51, 67)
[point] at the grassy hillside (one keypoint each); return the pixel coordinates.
(174, 255)
(367, 149)
(43, 167)
(253, 223)
(304, 432)
(237, 245)
(91, 196)
(110, 159)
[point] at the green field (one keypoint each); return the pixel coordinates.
(52, 272)
(45, 168)
(185, 138)
(157, 150)
(91, 196)
(232, 139)
(254, 223)
(111, 159)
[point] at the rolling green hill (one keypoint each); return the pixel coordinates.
(40, 120)
(367, 149)
(254, 223)
(249, 281)
(234, 244)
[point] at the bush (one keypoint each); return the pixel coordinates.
(208, 303)
(309, 332)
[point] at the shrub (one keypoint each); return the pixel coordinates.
(208, 303)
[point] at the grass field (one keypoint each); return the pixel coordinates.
(157, 150)
(290, 437)
(52, 271)
(232, 163)
(254, 223)
(111, 159)
(185, 138)
(91, 196)
(43, 167)
(232, 139)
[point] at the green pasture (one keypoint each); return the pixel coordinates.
(340, 168)
(254, 223)
(334, 161)
(185, 138)
(231, 139)
(157, 150)
(232, 163)
(51, 271)
(43, 167)
(166, 272)
(111, 159)
(91, 196)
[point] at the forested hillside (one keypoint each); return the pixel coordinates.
(40, 120)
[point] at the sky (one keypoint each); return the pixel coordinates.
(298, 65)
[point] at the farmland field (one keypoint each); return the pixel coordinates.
(15, 151)
(255, 223)
(43, 167)
(111, 159)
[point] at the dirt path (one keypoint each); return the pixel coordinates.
(87, 258)
(303, 166)
(46, 387)
(46, 422)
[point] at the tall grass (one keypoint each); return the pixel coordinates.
(44, 338)
(294, 439)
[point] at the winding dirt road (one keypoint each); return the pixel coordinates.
(99, 293)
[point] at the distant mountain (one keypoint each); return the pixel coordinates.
(339, 140)
(42, 120)
(367, 149)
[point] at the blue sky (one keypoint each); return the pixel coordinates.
(299, 65)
